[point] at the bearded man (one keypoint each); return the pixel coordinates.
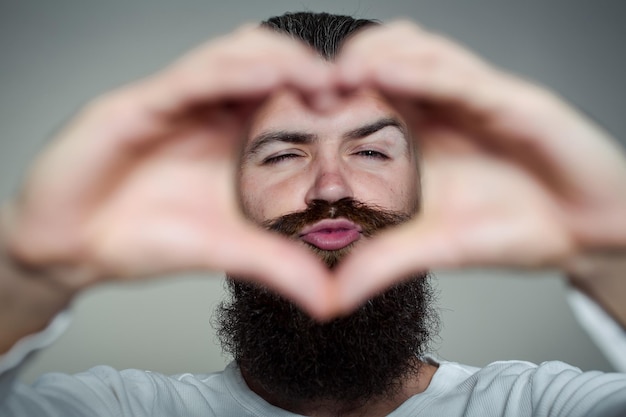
(319, 147)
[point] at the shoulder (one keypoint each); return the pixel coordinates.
(551, 376)
(127, 392)
(519, 388)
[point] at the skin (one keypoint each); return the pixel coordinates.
(512, 176)
(379, 168)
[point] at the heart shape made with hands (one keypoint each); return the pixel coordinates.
(504, 172)
(502, 183)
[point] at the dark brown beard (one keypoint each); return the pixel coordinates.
(349, 360)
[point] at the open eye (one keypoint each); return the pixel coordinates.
(372, 154)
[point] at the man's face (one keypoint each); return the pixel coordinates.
(329, 180)
(294, 156)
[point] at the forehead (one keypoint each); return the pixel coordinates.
(285, 110)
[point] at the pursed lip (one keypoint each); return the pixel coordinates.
(331, 234)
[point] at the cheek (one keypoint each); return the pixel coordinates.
(411, 198)
(249, 203)
(411, 192)
(263, 199)
(396, 190)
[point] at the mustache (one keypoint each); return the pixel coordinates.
(371, 218)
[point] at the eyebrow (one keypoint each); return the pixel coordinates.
(374, 127)
(300, 138)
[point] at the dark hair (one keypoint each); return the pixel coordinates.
(324, 32)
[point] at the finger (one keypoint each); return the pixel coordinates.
(246, 65)
(114, 127)
(101, 146)
(413, 63)
(500, 237)
(223, 242)
(388, 259)
(355, 61)
(281, 265)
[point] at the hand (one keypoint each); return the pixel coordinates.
(511, 176)
(143, 182)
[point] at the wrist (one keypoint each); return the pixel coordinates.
(602, 276)
(30, 296)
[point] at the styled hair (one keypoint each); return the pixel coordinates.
(323, 32)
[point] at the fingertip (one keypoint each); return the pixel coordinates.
(375, 267)
(294, 273)
(323, 101)
(357, 279)
(350, 76)
(323, 309)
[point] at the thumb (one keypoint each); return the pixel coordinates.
(280, 264)
(391, 257)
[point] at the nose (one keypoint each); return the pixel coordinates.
(330, 182)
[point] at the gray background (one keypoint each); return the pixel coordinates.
(56, 55)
